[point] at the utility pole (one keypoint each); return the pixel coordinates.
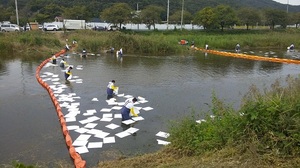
(137, 12)
(17, 13)
(182, 13)
(168, 10)
(287, 7)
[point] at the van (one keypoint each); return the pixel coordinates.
(10, 28)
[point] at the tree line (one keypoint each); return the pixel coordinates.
(210, 17)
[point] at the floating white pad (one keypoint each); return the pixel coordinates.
(112, 126)
(147, 108)
(95, 144)
(163, 134)
(123, 134)
(82, 149)
(109, 140)
(161, 142)
(90, 125)
(127, 122)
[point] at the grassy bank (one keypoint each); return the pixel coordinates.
(34, 43)
(166, 42)
(155, 44)
(145, 43)
(264, 132)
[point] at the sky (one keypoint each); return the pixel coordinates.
(291, 2)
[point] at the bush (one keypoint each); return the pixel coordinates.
(271, 120)
(274, 117)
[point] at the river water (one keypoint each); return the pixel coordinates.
(173, 86)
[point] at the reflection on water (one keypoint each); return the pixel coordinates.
(174, 86)
(3, 69)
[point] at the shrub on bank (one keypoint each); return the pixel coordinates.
(31, 43)
(37, 38)
(269, 121)
(156, 44)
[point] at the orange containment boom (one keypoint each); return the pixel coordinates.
(78, 161)
(251, 57)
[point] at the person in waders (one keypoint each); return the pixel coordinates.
(68, 73)
(62, 63)
(110, 89)
(128, 109)
(53, 59)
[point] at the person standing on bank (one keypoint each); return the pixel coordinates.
(193, 44)
(110, 89)
(237, 47)
(128, 108)
(206, 46)
(84, 53)
(68, 73)
(67, 48)
(291, 47)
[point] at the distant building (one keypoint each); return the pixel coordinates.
(59, 19)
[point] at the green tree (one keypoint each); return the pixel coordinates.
(36, 5)
(296, 19)
(249, 16)
(47, 13)
(276, 17)
(206, 18)
(39, 17)
(226, 16)
(5, 13)
(94, 7)
(151, 15)
(136, 18)
(119, 13)
(176, 17)
(77, 12)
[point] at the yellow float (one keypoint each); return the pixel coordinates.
(251, 57)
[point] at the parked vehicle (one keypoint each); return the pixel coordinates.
(74, 24)
(51, 27)
(10, 28)
(114, 28)
(41, 27)
(99, 28)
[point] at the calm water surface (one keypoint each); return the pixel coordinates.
(173, 85)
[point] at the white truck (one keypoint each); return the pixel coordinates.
(74, 24)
